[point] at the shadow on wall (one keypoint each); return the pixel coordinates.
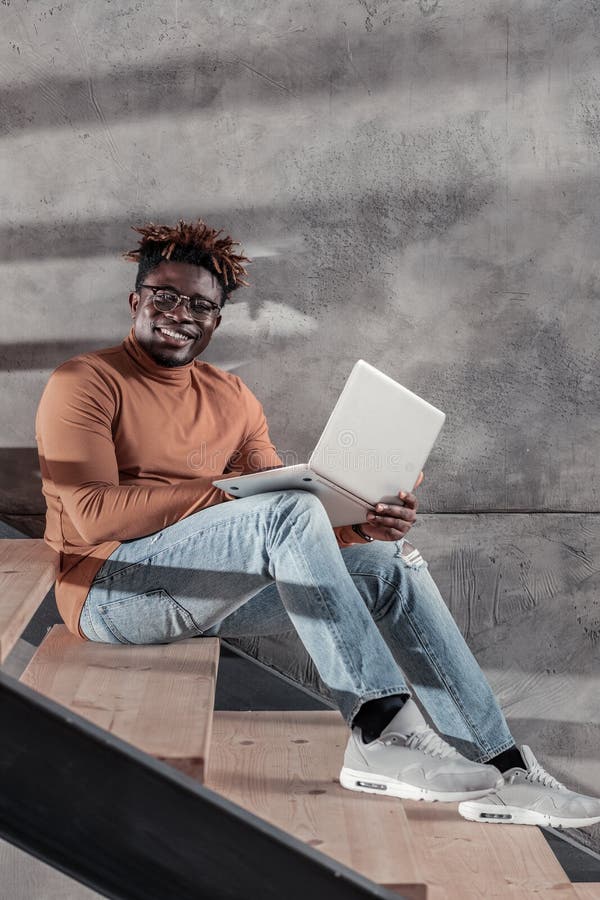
(24, 355)
(252, 65)
(386, 219)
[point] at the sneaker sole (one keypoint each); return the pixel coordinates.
(369, 783)
(513, 815)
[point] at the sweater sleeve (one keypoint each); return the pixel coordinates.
(257, 450)
(78, 461)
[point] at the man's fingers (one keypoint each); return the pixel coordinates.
(392, 525)
(389, 522)
(386, 514)
(418, 481)
(409, 499)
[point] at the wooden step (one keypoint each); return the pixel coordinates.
(284, 767)
(587, 891)
(27, 572)
(485, 860)
(159, 698)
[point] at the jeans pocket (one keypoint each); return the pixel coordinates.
(149, 618)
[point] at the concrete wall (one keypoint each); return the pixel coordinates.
(417, 183)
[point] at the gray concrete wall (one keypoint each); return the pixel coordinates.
(417, 182)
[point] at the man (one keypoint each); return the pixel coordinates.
(130, 441)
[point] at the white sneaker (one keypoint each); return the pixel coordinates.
(411, 761)
(533, 797)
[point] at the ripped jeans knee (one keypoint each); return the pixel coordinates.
(409, 555)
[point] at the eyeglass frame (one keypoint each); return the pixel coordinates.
(181, 298)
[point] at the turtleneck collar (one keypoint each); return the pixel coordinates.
(166, 374)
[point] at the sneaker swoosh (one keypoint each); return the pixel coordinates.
(543, 801)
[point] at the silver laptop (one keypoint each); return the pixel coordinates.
(374, 445)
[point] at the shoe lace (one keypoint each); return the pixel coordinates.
(538, 775)
(426, 740)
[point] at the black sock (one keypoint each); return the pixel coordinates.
(508, 759)
(374, 715)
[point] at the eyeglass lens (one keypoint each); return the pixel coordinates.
(165, 301)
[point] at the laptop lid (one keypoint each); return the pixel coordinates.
(378, 436)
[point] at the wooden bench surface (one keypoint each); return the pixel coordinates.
(27, 572)
(284, 767)
(587, 891)
(159, 698)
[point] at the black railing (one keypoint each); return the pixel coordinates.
(132, 828)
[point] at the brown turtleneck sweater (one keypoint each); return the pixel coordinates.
(128, 447)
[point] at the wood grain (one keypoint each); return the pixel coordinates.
(159, 698)
(284, 766)
(484, 860)
(27, 572)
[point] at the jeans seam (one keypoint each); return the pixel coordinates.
(431, 656)
(485, 748)
(377, 695)
(489, 754)
(89, 621)
(386, 608)
(114, 630)
(338, 641)
(446, 682)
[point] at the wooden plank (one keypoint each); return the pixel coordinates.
(540, 892)
(27, 572)
(587, 891)
(484, 860)
(464, 892)
(159, 698)
(284, 767)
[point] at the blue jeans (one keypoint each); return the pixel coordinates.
(266, 574)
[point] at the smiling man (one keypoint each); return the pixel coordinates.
(131, 439)
(168, 341)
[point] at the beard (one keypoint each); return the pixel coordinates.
(169, 362)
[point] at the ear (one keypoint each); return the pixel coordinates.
(217, 323)
(134, 299)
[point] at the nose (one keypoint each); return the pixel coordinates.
(181, 313)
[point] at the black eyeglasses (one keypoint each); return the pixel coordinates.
(168, 299)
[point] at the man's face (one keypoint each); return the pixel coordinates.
(175, 338)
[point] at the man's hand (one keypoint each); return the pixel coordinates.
(391, 521)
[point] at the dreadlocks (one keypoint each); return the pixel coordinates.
(191, 242)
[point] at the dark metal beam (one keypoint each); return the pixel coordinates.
(132, 828)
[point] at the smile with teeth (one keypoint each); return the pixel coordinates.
(176, 335)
